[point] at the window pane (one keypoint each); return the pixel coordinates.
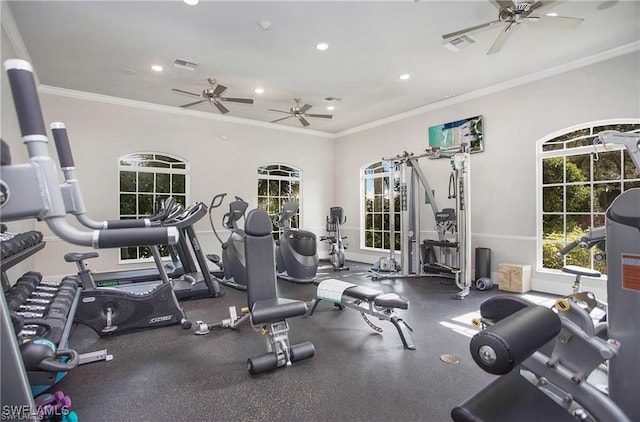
(178, 183)
(578, 168)
(181, 199)
(145, 182)
(386, 240)
(295, 189)
(553, 199)
(377, 221)
(127, 181)
(368, 239)
(631, 185)
(163, 182)
(604, 194)
(552, 227)
(262, 187)
(127, 204)
(608, 166)
(145, 205)
(577, 225)
(368, 221)
(377, 240)
(578, 198)
(377, 185)
(129, 253)
(630, 171)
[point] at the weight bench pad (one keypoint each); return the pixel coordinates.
(391, 300)
(276, 309)
(362, 293)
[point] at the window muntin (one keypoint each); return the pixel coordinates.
(145, 179)
(578, 183)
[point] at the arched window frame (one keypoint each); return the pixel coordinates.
(375, 230)
(144, 179)
(277, 184)
(575, 145)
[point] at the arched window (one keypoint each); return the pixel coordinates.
(277, 184)
(577, 181)
(376, 181)
(146, 178)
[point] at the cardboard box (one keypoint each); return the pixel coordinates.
(514, 278)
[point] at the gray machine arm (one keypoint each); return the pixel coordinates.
(31, 190)
(71, 192)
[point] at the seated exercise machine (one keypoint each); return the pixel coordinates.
(297, 250)
(232, 264)
(191, 283)
(337, 245)
(366, 301)
(556, 365)
(266, 311)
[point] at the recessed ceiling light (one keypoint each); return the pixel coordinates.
(191, 2)
(156, 68)
(330, 108)
(405, 76)
(259, 91)
(552, 14)
(322, 46)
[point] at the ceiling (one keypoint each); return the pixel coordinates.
(107, 47)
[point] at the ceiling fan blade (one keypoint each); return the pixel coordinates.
(505, 4)
(280, 111)
(192, 104)
(185, 92)
(471, 29)
(560, 22)
(220, 107)
(324, 116)
(219, 90)
(304, 108)
(237, 100)
(502, 38)
(303, 121)
(277, 120)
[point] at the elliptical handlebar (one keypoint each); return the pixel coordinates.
(34, 185)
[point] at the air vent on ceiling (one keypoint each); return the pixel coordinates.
(332, 99)
(458, 43)
(184, 64)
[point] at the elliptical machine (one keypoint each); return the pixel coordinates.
(336, 245)
(296, 250)
(233, 263)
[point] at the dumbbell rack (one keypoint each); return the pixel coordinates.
(53, 304)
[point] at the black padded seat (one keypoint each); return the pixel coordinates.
(391, 300)
(507, 399)
(362, 293)
(499, 307)
(276, 309)
(78, 256)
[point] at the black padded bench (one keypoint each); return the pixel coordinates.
(366, 301)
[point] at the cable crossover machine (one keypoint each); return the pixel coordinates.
(448, 256)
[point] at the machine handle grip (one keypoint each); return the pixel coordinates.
(504, 345)
(137, 237)
(568, 248)
(127, 224)
(61, 138)
(219, 197)
(51, 365)
(25, 97)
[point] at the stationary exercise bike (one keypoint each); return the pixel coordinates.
(233, 263)
(296, 250)
(336, 242)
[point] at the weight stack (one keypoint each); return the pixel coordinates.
(483, 263)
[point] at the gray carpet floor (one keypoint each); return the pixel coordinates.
(357, 374)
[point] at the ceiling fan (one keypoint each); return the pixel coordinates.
(212, 94)
(513, 13)
(300, 112)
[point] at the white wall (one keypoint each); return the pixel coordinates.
(100, 132)
(503, 187)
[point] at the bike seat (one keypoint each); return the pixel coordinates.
(574, 269)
